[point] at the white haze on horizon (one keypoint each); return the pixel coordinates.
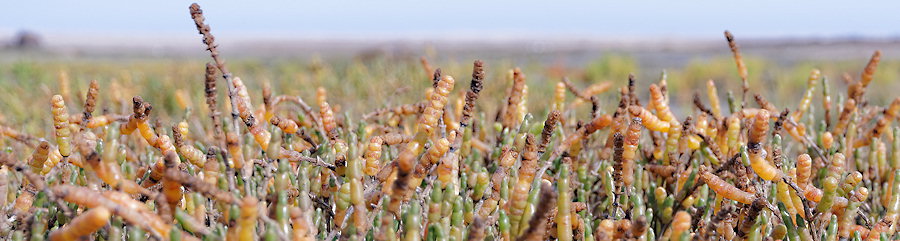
(67, 22)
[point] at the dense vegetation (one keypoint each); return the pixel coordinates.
(179, 151)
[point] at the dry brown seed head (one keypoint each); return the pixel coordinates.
(869, 71)
(547, 132)
(90, 101)
(759, 129)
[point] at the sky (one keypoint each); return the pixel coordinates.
(467, 19)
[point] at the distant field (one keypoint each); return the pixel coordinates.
(384, 73)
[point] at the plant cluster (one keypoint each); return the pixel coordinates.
(440, 169)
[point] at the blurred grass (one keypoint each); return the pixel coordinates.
(358, 86)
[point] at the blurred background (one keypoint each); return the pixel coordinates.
(367, 53)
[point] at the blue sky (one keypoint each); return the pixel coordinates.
(435, 19)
